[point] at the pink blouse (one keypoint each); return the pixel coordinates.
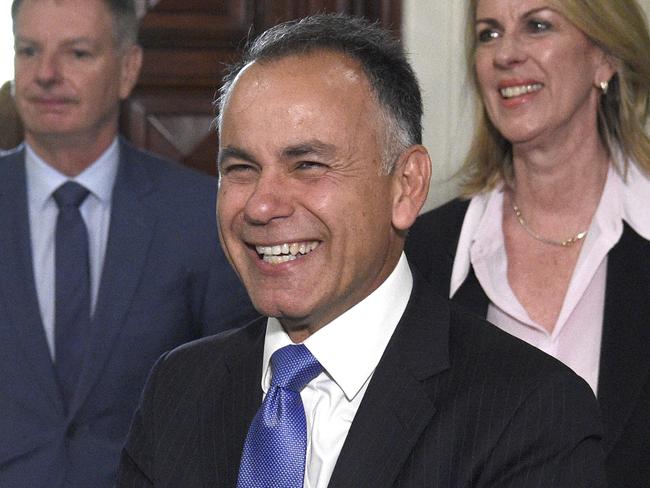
(576, 337)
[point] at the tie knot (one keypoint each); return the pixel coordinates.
(70, 194)
(293, 367)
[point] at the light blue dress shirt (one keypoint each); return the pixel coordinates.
(42, 181)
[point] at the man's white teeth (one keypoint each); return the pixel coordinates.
(285, 252)
(279, 259)
(516, 91)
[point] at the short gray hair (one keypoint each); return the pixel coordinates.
(125, 20)
(382, 59)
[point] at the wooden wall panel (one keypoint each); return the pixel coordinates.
(178, 126)
(196, 23)
(11, 128)
(199, 67)
(187, 44)
(271, 12)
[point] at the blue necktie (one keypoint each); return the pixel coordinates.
(276, 444)
(71, 287)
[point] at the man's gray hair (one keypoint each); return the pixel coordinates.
(382, 59)
(125, 20)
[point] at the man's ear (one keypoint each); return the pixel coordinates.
(130, 69)
(411, 177)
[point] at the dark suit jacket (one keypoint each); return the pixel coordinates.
(165, 281)
(454, 402)
(624, 377)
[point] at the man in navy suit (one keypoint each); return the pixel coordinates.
(359, 375)
(155, 274)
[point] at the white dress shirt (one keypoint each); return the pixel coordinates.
(576, 337)
(349, 349)
(42, 181)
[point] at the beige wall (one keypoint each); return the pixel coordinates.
(432, 33)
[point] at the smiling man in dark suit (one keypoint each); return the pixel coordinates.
(108, 256)
(360, 376)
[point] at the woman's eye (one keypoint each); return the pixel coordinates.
(487, 35)
(538, 26)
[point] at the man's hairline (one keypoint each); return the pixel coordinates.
(387, 120)
(121, 45)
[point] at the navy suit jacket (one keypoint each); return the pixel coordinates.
(624, 376)
(453, 403)
(165, 281)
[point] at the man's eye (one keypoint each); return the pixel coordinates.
(25, 51)
(81, 53)
(237, 168)
(487, 35)
(310, 165)
(238, 171)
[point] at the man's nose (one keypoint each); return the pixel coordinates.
(48, 70)
(270, 200)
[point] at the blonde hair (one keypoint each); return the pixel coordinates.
(619, 28)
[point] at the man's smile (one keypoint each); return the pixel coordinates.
(281, 253)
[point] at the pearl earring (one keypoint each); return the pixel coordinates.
(604, 85)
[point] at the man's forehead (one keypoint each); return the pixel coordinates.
(105, 3)
(326, 66)
(85, 8)
(319, 94)
(314, 78)
(88, 21)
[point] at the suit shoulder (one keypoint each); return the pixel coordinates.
(205, 357)
(14, 155)
(432, 240)
(170, 176)
(503, 356)
(439, 222)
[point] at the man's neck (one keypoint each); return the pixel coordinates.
(70, 157)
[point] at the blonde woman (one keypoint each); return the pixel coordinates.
(553, 242)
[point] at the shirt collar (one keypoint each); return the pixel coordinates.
(350, 347)
(98, 178)
(480, 217)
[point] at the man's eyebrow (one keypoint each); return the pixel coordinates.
(66, 42)
(294, 151)
(309, 147)
(80, 40)
(229, 152)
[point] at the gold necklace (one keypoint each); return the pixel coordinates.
(565, 243)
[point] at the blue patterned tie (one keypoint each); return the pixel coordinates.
(276, 444)
(71, 287)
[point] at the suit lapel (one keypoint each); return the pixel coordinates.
(232, 404)
(17, 287)
(436, 253)
(624, 361)
(471, 295)
(399, 402)
(129, 238)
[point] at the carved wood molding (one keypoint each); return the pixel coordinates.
(142, 6)
(187, 44)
